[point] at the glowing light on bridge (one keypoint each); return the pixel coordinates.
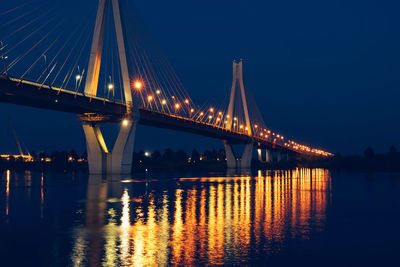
(138, 85)
(158, 92)
(125, 122)
(110, 86)
(177, 106)
(211, 110)
(149, 98)
(78, 77)
(186, 101)
(164, 102)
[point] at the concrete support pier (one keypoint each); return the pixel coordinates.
(119, 159)
(244, 162)
(279, 156)
(268, 156)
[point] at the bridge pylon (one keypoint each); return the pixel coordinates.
(237, 82)
(92, 79)
(100, 159)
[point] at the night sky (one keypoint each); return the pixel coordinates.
(323, 72)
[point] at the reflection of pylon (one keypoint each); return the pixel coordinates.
(97, 47)
(238, 81)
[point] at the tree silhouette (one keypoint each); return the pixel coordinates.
(369, 153)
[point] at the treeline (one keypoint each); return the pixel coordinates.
(142, 160)
(58, 160)
(179, 160)
(369, 160)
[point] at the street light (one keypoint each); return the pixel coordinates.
(138, 85)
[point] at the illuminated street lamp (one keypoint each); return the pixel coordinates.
(138, 85)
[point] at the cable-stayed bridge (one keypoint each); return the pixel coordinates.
(108, 71)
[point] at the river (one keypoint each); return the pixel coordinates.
(276, 218)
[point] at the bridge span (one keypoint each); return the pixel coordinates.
(48, 76)
(102, 110)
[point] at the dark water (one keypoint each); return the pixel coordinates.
(283, 218)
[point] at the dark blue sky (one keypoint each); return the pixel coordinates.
(324, 72)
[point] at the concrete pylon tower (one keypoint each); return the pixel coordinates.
(102, 160)
(96, 50)
(237, 81)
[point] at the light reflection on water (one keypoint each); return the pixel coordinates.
(211, 220)
(207, 220)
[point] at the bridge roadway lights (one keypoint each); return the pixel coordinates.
(244, 162)
(117, 161)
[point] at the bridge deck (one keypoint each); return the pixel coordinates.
(32, 94)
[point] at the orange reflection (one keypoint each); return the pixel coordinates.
(7, 193)
(213, 219)
(41, 196)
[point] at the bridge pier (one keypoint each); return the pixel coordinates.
(259, 154)
(244, 162)
(117, 161)
(268, 156)
(279, 157)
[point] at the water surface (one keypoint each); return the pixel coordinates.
(302, 217)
